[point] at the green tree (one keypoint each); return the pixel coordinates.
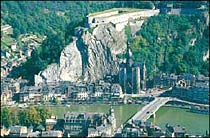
(29, 116)
(56, 101)
(6, 117)
(44, 113)
(128, 32)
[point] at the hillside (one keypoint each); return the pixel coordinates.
(57, 21)
(173, 44)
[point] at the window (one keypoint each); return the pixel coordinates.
(94, 20)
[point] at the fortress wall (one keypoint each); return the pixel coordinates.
(121, 20)
(90, 18)
(120, 26)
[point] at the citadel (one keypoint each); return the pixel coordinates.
(119, 17)
(90, 72)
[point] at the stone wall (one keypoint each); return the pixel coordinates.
(120, 20)
(91, 17)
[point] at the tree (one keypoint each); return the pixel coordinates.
(6, 117)
(29, 116)
(128, 32)
(45, 113)
(56, 101)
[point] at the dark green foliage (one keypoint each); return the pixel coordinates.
(42, 17)
(128, 32)
(27, 117)
(164, 42)
(46, 54)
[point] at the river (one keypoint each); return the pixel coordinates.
(195, 124)
(122, 112)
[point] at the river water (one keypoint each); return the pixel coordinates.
(195, 124)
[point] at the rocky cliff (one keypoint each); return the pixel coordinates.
(88, 58)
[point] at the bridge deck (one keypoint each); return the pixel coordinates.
(150, 109)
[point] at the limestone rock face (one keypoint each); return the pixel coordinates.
(50, 74)
(70, 68)
(88, 58)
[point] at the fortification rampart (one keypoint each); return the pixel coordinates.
(118, 18)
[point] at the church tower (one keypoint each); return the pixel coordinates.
(113, 119)
(136, 79)
(129, 60)
(144, 76)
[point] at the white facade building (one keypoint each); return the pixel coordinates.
(119, 17)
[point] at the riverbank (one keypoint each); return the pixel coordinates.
(122, 112)
(195, 124)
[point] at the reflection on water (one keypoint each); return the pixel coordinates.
(193, 122)
(122, 112)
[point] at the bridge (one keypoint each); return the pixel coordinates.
(150, 109)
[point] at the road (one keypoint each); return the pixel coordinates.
(150, 109)
(147, 94)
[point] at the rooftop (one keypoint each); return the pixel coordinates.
(5, 27)
(121, 11)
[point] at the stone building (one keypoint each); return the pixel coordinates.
(132, 76)
(119, 17)
(50, 123)
(89, 124)
(6, 29)
(198, 93)
(169, 80)
(176, 131)
(17, 131)
(140, 129)
(164, 80)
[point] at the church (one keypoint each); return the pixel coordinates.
(132, 75)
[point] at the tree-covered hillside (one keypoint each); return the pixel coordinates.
(165, 42)
(57, 20)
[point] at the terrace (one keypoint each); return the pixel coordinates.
(120, 11)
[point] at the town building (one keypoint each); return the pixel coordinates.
(164, 80)
(176, 131)
(119, 17)
(52, 133)
(198, 93)
(17, 131)
(6, 29)
(132, 76)
(50, 123)
(137, 128)
(169, 80)
(4, 131)
(89, 124)
(191, 88)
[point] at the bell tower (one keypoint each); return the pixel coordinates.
(129, 61)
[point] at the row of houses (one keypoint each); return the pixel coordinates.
(169, 80)
(72, 125)
(198, 93)
(70, 92)
(138, 128)
(14, 54)
(9, 87)
(186, 86)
